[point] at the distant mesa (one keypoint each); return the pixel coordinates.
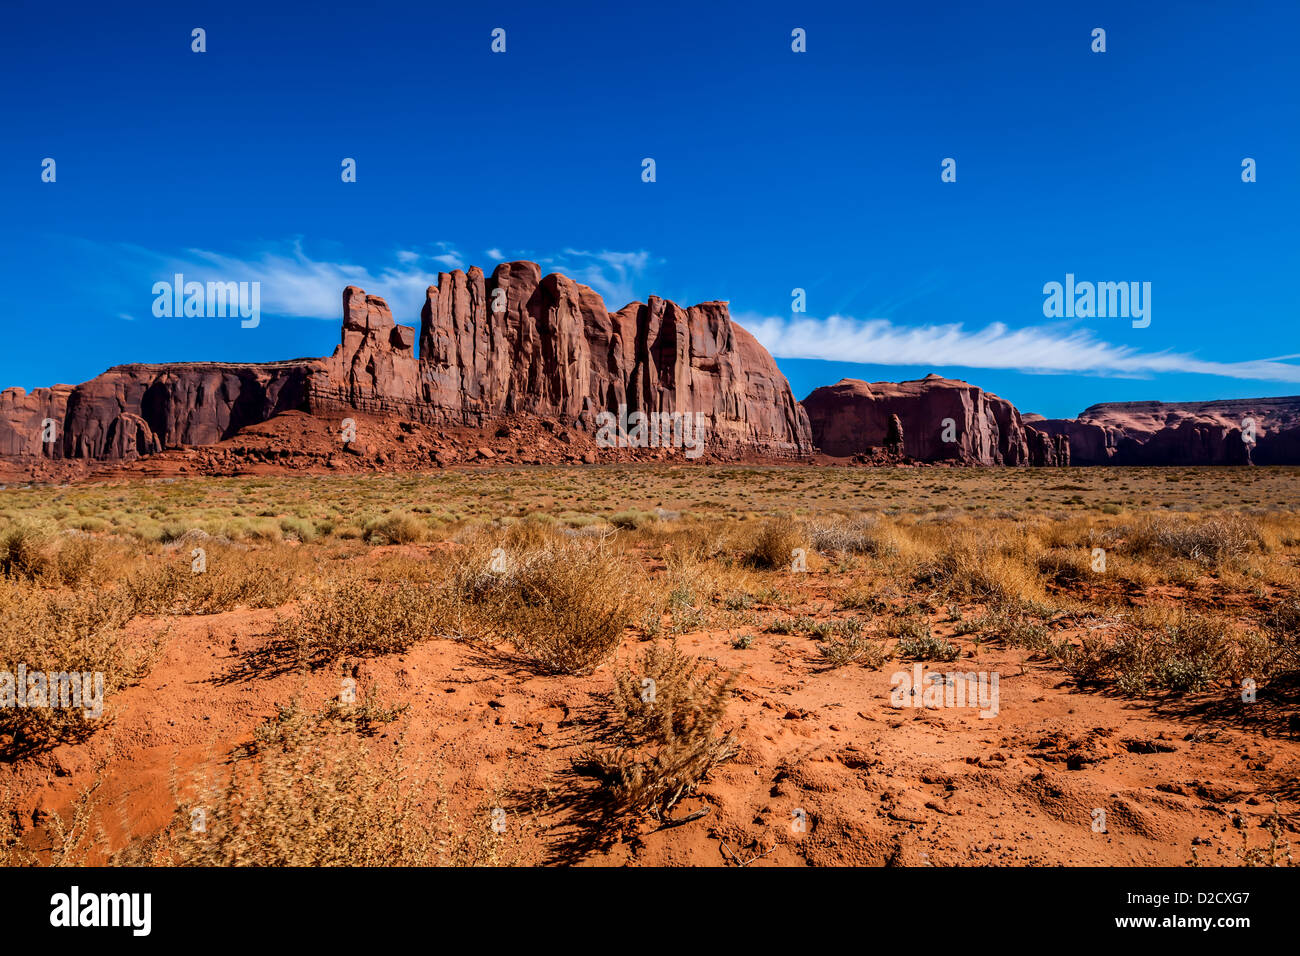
(851, 419)
(1184, 433)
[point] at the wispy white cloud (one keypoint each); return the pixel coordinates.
(617, 276)
(1038, 349)
(295, 283)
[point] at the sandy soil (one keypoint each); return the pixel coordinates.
(877, 784)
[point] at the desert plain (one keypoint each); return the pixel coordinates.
(657, 664)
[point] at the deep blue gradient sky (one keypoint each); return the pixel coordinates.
(775, 170)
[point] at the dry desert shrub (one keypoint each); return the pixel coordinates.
(565, 602)
(1067, 566)
(916, 642)
(562, 601)
(803, 624)
(696, 541)
(1215, 541)
(1187, 656)
(857, 534)
(25, 551)
(1072, 533)
(852, 647)
(1089, 661)
(319, 794)
(364, 717)
(1194, 654)
(392, 567)
(155, 581)
(775, 543)
(396, 527)
(514, 536)
(633, 519)
(691, 579)
(312, 791)
(72, 837)
(1277, 852)
(1011, 625)
(353, 615)
(34, 552)
(65, 632)
(80, 560)
(566, 607)
(1282, 627)
(698, 592)
(667, 716)
(302, 530)
(836, 628)
(858, 597)
(230, 577)
(990, 562)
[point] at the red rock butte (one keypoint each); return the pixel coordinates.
(1183, 433)
(512, 343)
(941, 419)
(946, 420)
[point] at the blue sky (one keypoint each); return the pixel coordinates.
(775, 171)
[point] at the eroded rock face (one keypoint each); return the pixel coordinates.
(1046, 450)
(942, 420)
(1184, 433)
(373, 369)
(134, 410)
(894, 435)
(489, 346)
(517, 342)
(1090, 444)
(23, 421)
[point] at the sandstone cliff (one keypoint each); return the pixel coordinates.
(517, 342)
(942, 420)
(1046, 450)
(1183, 433)
(28, 422)
(511, 343)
